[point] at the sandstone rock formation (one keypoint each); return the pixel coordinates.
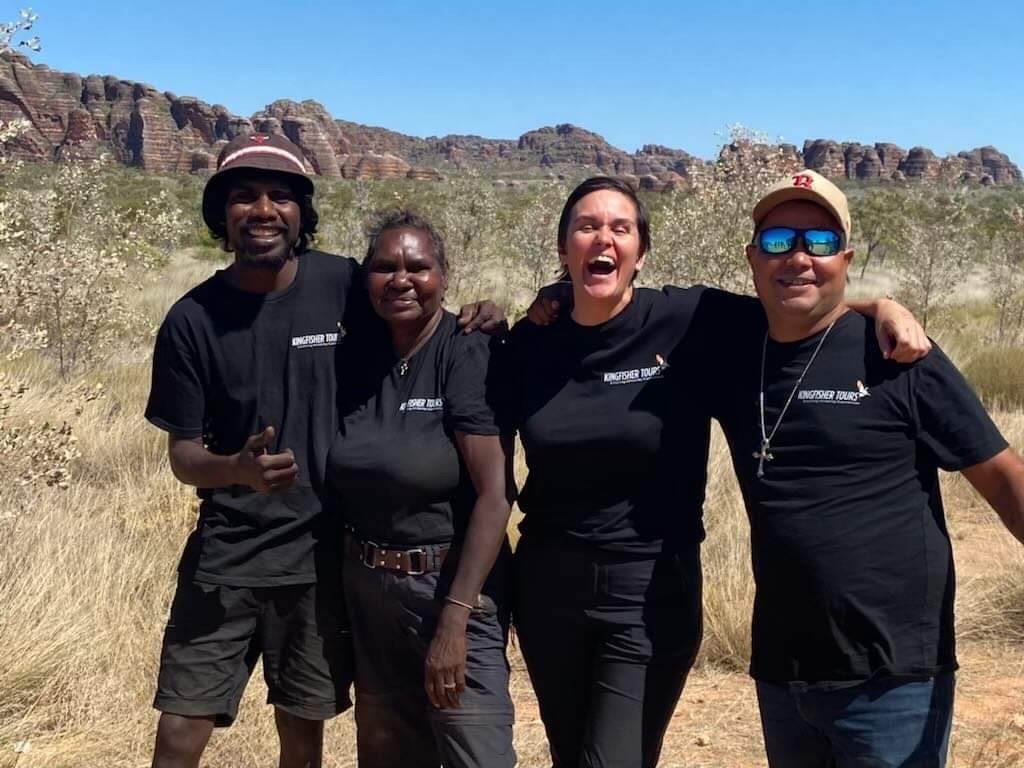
(374, 166)
(71, 116)
(991, 163)
(985, 165)
(424, 173)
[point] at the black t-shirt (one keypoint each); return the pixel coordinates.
(616, 446)
(228, 363)
(394, 468)
(851, 554)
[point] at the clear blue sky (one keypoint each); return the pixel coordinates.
(947, 75)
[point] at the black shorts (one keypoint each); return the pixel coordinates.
(216, 633)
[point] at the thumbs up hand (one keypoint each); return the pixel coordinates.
(262, 471)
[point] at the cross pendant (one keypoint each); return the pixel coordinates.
(762, 456)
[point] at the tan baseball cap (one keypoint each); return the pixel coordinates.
(806, 185)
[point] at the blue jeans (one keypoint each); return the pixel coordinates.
(877, 724)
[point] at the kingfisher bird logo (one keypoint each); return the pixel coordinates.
(834, 396)
(637, 375)
(803, 181)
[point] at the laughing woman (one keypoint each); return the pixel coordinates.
(607, 572)
(608, 403)
(423, 483)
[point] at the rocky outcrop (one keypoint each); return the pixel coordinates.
(374, 166)
(81, 140)
(566, 146)
(985, 165)
(988, 164)
(71, 116)
(920, 163)
(825, 156)
(424, 173)
(312, 129)
(569, 145)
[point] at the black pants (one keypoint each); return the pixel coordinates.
(393, 618)
(608, 640)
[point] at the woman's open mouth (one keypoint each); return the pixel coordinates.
(601, 266)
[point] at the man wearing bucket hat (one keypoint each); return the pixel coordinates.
(837, 451)
(244, 383)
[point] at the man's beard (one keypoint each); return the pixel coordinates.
(269, 262)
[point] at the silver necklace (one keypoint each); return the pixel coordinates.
(765, 454)
(403, 361)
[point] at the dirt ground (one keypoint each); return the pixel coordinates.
(716, 723)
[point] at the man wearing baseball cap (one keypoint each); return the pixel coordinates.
(244, 383)
(837, 451)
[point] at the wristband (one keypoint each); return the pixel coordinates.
(452, 601)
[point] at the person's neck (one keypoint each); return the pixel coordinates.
(586, 310)
(789, 328)
(261, 280)
(407, 338)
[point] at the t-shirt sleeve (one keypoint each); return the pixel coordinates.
(467, 405)
(359, 315)
(950, 419)
(176, 399)
(505, 376)
(717, 342)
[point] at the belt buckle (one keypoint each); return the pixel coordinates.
(367, 554)
(423, 562)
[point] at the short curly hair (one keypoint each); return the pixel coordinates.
(309, 219)
(404, 218)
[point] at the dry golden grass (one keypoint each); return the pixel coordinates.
(86, 576)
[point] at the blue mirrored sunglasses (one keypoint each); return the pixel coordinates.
(817, 242)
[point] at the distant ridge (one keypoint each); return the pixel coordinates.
(84, 117)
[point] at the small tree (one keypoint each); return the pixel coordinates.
(68, 263)
(875, 220)
(700, 234)
(343, 217)
(467, 216)
(534, 238)
(1004, 265)
(934, 237)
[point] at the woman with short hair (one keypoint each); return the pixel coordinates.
(610, 408)
(607, 591)
(422, 480)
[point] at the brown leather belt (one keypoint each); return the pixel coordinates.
(414, 562)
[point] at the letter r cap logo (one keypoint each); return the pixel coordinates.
(803, 181)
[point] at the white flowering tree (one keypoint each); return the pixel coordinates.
(69, 260)
(15, 34)
(934, 235)
(699, 234)
(533, 238)
(1005, 271)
